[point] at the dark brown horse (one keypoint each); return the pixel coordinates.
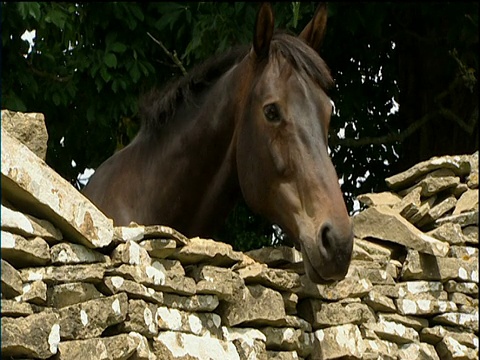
(253, 122)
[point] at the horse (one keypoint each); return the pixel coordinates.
(251, 122)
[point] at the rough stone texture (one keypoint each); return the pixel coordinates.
(29, 129)
(155, 294)
(30, 183)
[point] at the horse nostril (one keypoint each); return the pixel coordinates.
(325, 241)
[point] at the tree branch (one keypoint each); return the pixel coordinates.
(173, 56)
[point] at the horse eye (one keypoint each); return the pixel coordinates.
(272, 113)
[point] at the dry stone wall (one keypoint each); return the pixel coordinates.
(75, 287)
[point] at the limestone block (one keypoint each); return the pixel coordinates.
(338, 341)
(21, 252)
(68, 254)
(195, 303)
(117, 347)
(28, 182)
(13, 308)
(290, 300)
(278, 256)
(91, 273)
(379, 349)
(28, 226)
(393, 331)
(376, 251)
(29, 129)
(34, 292)
(159, 248)
(449, 348)
(467, 202)
(469, 288)
(144, 349)
(141, 318)
(464, 219)
(418, 351)
(205, 250)
(62, 295)
(432, 184)
(424, 307)
(11, 281)
(437, 211)
(460, 164)
(377, 199)
(89, 319)
(136, 232)
(259, 305)
(130, 253)
(289, 339)
(414, 322)
(385, 224)
(34, 336)
(222, 282)
(449, 232)
(249, 342)
(468, 321)
(412, 288)
(471, 232)
(277, 279)
(117, 284)
(466, 253)
(350, 287)
(379, 302)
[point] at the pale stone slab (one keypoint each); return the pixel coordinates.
(195, 303)
(385, 224)
(278, 279)
(250, 343)
(379, 302)
(431, 185)
(34, 336)
(469, 288)
(449, 348)
(159, 248)
(92, 273)
(28, 181)
(417, 351)
(376, 349)
(393, 331)
(339, 341)
(289, 339)
(68, 254)
(464, 219)
(135, 232)
(437, 211)
(414, 322)
(376, 251)
(449, 232)
(224, 283)
(28, 226)
(11, 281)
(34, 292)
(117, 284)
(13, 308)
(468, 321)
(350, 287)
(59, 296)
(460, 164)
(277, 256)
(21, 252)
(206, 250)
(377, 199)
(421, 307)
(130, 253)
(467, 202)
(141, 318)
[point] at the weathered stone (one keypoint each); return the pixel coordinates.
(59, 296)
(433, 335)
(393, 331)
(424, 307)
(350, 287)
(427, 267)
(338, 341)
(459, 190)
(141, 318)
(13, 308)
(432, 184)
(217, 281)
(379, 350)
(468, 321)
(288, 339)
(464, 219)
(410, 203)
(92, 273)
(467, 253)
(472, 178)
(377, 199)
(250, 343)
(462, 299)
(21, 252)
(35, 336)
(259, 305)
(135, 232)
(449, 348)
(117, 347)
(29, 129)
(32, 184)
(379, 302)
(376, 251)
(449, 232)
(277, 256)
(275, 278)
(11, 281)
(323, 314)
(68, 254)
(170, 345)
(144, 349)
(413, 288)
(469, 288)
(385, 224)
(28, 226)
(117, 284)
(290, 300)
(89, 319)
(159, 248)
(388, 290)
(34, 292)
(206, 250)
(460, 164)
(195, 303)
(376, 276)
(416, 323)
(417, 351)
(130, 253)
(467, 202)
(471, 232)
(437, 211)
(418, 214)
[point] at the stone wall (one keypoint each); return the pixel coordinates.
(75, 287)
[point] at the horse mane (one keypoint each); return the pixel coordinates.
(157, 106)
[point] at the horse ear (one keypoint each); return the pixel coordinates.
(264, 26)
(314, 32)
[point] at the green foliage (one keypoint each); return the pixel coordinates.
(90, 62)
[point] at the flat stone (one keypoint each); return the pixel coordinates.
(159, 248)
(144, 349)
(195, 303)
(379, 349)
(449, 232)
(385, 224)
(460, 164)
(379, 302)
(275, 278)
(13, 308)
(424, 307)
(290, 300)
(250, 343)
(375, 276)
(259, 305)
(224, 283)
(205, 250)
(437, 211)
(130, 253)
(418, 351)
(462, 299)
(28, 226)
(339, 341)
(418, 214)
(29, 183)
(117, 347)
(393, 331)
(466, 253)
(11, 281)
(21, 252)
(141, 318)
(62, 295)
(175, 345)
(89, 319)
(34, 292)
(449, 348)
(469, 288)
(91, 273)
(467, 321)
(413, 288)
(459, 190)
(377, 199)
(419, 266)
(410, 203)
(350, 287)
(376, 251)
(29, 129)
(117, 284)
(388, 290)
(471, 232)
(34, 336)
(323, 314)
(431, 185)
(68, 254)
(135, 232)
(277, 256)
(468, 201)
(464, 219)
(417, 323)
(289, 339)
